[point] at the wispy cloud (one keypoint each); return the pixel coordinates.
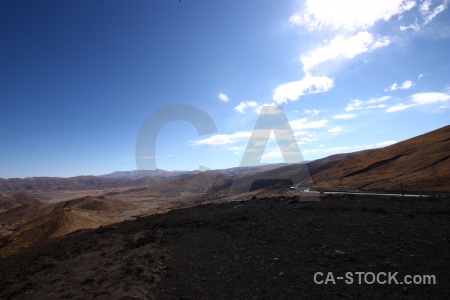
(399, 107)
(326, 150)
(344, 116)
(292, 91)
(141, 157)
(376, 106)
(243, 105)
(342, 47)
(307, 140)
(378, 100)
(128, 158)
(428, 10)
(430, 98)
(348, 14)
(429, 13)
(304, 124)
(313, 112)
(355, 104)
(223, 97)
(335, 130)
(377, 145)
(223, 139)
(343, 149)
(268, 111)
(420, 99)
(275, 153)
(386, 143)
(357, 15)
(407, 84)
(369, 104)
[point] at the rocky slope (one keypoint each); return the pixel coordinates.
(258, 249)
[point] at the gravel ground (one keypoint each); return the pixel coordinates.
(259, 249)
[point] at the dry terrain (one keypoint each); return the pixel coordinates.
(234, 233)
(258, 249)
(421, 164)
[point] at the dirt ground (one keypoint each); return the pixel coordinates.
(258, 249)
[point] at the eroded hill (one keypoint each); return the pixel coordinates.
(420, 164)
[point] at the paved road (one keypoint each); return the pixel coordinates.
(361, 193)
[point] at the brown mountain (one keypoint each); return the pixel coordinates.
(33, 223)
(421, 164)
(15, 200)
(47, 184)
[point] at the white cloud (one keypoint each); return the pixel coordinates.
(223, 139)
(393, 87)
(307, 140)
(376, 106)
(223, 97)
(428, 11)
(332, 149)
(348, 14)
(303, 132)
(303, 123)
(428, 14)
(128, 158)
(420, 99)
(342, 47)
(335, 130)
(243, 105)
(344, 116)
(147, 157)
(312, 112)
(343, 149)
(275, 153)
(386, 143)
(308, 85)
(415, 27)
(399, 107)
(430, 98)
(268, 112)
(356, 15)
(383, 42)
(378, 100)
(355, 104)
(377, 145)
(407, 84)
(271, 154)
(425, 7)
(360, 104)
(420, 76)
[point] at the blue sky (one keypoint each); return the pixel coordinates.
(78, 78)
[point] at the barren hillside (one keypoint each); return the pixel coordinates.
(31, 224)
(421, 164)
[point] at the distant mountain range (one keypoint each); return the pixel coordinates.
(418, 164)
(35, 209)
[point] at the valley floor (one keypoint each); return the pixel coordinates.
(267, 248)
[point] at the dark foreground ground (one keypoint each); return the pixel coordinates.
(259, 249)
